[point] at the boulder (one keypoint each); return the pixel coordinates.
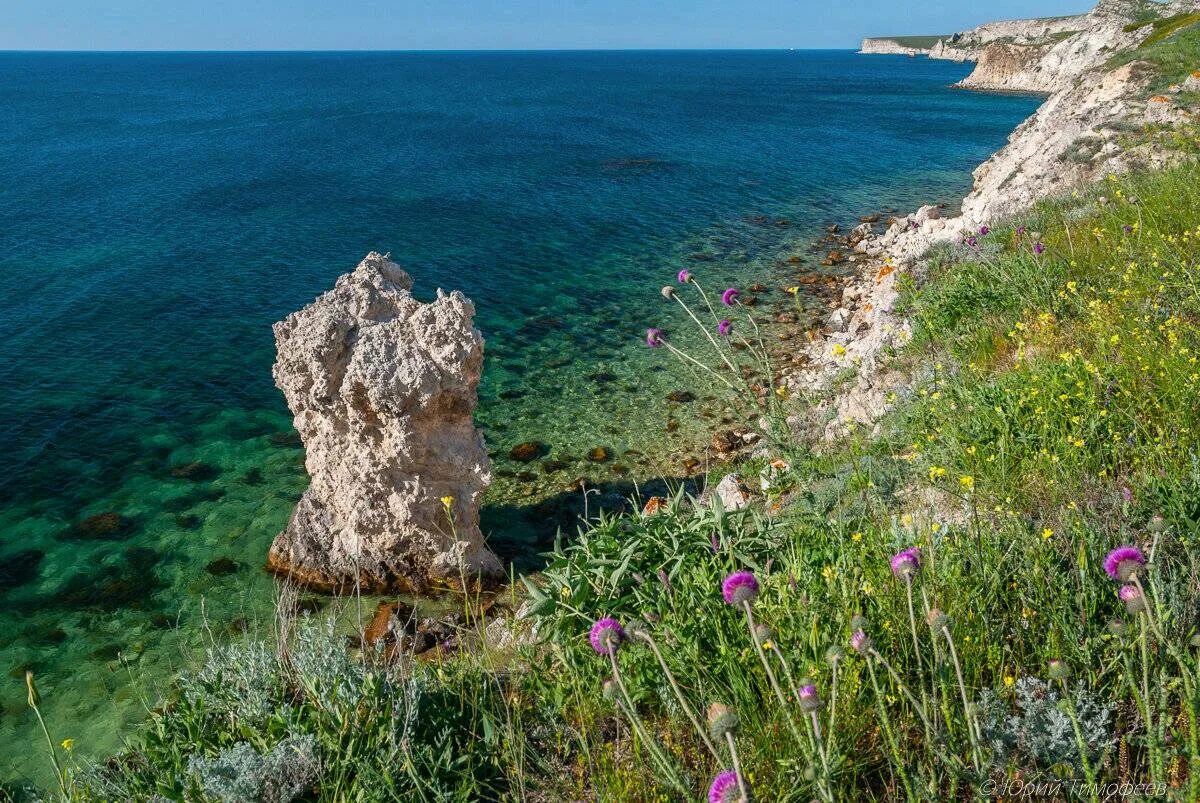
(733, 493)
(383, 388)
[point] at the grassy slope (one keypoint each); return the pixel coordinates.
(1172, 46)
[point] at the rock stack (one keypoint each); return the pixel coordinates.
(383, 388)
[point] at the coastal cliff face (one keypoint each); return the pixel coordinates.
(383, 388)
(889, 47)
(1074, 137)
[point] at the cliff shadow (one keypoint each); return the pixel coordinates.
(520, 535)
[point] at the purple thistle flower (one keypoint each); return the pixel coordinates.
(809, 701)
(1127, 228)
(654, 338)
(1126, 494)
(684, 276)
(906, 562)
(1020, 231)
(983, 230)
(730, 296)
(972, 242)
(1123, 562)
(1038, 248)
(725, 327)
(1132, 597)
(724, 788)
(606, 636)
(860, 642)
(740, 587)
(715, 543)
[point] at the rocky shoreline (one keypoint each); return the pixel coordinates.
(1087, 104)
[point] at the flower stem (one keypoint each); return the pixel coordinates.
(636, 722)
(770, 673)
(1088, 772)
(887, 732)
(687, 709)
(737, 766)
(973, 734)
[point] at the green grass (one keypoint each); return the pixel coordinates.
(1051, 417)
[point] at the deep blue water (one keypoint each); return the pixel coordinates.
(159, 211)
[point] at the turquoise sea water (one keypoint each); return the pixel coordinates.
(159, 212)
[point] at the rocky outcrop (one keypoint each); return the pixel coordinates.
(880, 46)
(383, 388)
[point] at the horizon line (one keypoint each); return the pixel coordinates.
(118, 51)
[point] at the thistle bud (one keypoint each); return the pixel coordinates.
(721, 720)
(936, 619)
(1058, 670)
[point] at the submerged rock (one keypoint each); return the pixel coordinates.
(20, 568)
(221, 567)
(528, 451)
(383, 388)
(598, 455)
(197, 471)
(100, 527)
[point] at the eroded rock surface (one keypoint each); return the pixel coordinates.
(383, 388)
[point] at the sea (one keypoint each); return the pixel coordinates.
(159, 211)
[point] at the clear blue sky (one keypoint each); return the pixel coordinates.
(471, 24)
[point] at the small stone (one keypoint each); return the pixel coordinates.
(681, 396)
(725, 441)
(655, 505)
(869, 219)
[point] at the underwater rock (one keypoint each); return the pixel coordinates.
(290, 438)
(221, 567)
(599, 455)
(528, 451)
(20, 568)
(383, 388)
(101, 527)
(681, 396)
(196, 471)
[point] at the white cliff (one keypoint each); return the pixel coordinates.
(383, 388)
(883, 46)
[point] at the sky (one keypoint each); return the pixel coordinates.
(487, 24)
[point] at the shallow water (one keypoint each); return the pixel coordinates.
(159, 212)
